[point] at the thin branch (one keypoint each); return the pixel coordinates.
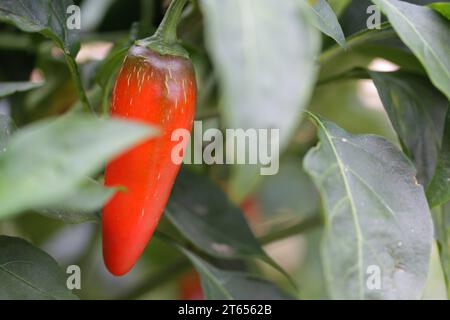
(301, 227)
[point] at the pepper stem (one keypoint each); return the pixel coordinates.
(164, 41)
(167, 30)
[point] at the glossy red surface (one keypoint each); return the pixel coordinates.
(158, 90)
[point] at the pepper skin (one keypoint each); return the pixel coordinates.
(159, 90)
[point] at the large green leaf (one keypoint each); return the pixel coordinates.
(438, 191)
(442, 7)
(223, 284)
(327, 21)
(204, 215)
(27, 272)
(426, 33)
(47, 17)
(417, 112)
(47, 161)
(264, 54)
(376, 216)
(7, 88)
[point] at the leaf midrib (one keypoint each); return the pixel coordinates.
(394, 8)
(29, 284)
(352, 206)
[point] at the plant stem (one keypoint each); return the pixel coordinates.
(354, 74)
(105, 98)
(157, 279)
(303, 226)
(146, 17)
(362, 37)
(77, 79)
(167, 30)
(164, 41)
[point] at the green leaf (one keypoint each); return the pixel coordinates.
(442, 7)
(327, 21)
(47, 17)
(82, 205)
(417, 112)
(7, 88)
(107, 74)
(110, 66)
(27, 272)
(442, 225)
(376, 216)
(264, 54)
(203, 213)
(364, 37)
(205, 216)
(48, 160)
(438, 191)
(435, 288)
(222, 284)
(426, 33)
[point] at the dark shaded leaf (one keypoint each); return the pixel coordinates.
(27, 272)
(438, 191)
(426, 33)
(47, 17)
(219, 283)
(204, 215)
(417, 112)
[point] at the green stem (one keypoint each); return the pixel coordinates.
(165, 41)
(77, 79)
(146, 18)
(353, 74)
(385, 32)
(167, 30)
(159, 278)
(303, 226)
(105, 98)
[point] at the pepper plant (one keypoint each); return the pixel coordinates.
(357, 90)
